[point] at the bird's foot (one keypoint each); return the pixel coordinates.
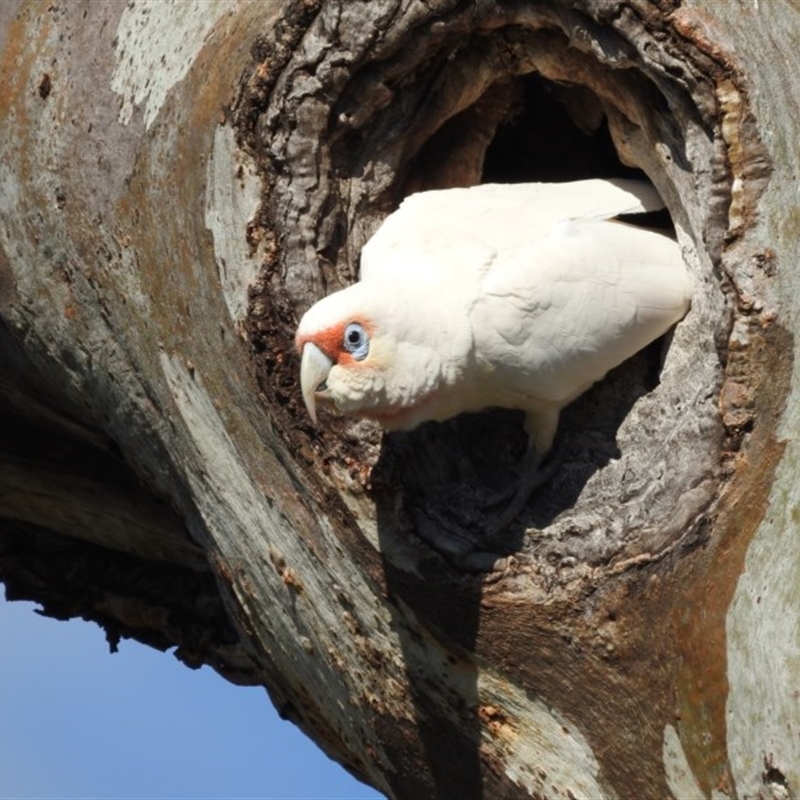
(510, 503)
(470, 527)
(457, 538)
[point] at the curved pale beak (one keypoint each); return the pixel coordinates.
(314, 369)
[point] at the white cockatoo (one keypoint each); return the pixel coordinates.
(514, 295)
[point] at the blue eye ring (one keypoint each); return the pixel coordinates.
(356, 341)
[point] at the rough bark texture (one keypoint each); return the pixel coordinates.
(179, 181)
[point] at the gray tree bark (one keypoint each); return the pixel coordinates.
(180, 181)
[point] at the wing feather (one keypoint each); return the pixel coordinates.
(458, 232)
(555, 317)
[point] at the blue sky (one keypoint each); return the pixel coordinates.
(78, 722)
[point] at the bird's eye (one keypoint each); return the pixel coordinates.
(356, 341)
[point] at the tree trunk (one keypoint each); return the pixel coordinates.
(180, 181)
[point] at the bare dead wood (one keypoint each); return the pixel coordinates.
(167, 213)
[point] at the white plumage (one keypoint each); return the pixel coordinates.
(520, 296)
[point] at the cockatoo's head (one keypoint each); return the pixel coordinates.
(372, 355)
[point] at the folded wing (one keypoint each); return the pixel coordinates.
(554, 317)
(458, 233)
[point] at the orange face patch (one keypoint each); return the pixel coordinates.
(331, 341)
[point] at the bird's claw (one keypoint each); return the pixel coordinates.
(514, 501)
(473, 541)
(454, 540)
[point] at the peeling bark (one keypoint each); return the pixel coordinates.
(173, 197)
